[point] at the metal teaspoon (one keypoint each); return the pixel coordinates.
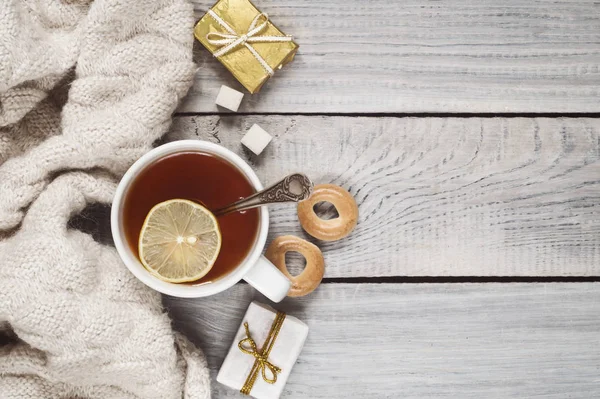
(293, 188)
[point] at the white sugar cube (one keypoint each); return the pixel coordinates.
(229, 98)
(284, 353)
(256, 139)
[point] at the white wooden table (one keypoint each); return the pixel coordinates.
(469, 133)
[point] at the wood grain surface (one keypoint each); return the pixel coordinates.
(423, 340)
(438, 196)
(423, 56)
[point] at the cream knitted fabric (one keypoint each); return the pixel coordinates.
(86, 87)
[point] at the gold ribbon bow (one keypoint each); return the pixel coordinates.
(262, 362)
(231, 40)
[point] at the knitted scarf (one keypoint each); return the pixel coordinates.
(86, 87)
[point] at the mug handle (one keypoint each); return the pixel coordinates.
(267, 279)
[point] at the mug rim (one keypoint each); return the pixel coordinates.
(131, 260)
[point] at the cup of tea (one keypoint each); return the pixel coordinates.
(214, 176)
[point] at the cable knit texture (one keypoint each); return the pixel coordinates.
(86, 87)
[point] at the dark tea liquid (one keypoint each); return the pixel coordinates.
(203, 178)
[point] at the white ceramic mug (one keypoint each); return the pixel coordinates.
(255, 268)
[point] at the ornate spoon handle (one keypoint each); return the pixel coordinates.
(293, 188)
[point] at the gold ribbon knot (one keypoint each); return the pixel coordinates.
(262, 362)
(231, 40)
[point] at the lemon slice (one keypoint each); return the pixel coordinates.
(179, 241)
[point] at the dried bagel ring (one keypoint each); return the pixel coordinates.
(311, 276)
(333, 229)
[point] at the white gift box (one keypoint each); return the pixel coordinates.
(285, 349)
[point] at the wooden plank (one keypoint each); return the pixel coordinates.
(398, 56)
(423, 340)
(439, 196)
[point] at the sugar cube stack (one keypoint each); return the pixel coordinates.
(229, 98)
(256, 139)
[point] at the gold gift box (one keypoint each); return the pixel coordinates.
(247, 69)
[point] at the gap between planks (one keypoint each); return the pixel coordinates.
(507, 115)
(456, 280)
(460, 280)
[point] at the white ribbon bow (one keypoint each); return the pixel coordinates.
(231, 41)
